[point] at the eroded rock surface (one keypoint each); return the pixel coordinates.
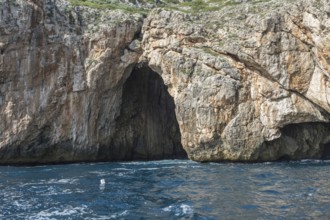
(244, 76)
(249, 82)
(61, 78)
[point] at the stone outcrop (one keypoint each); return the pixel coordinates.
(62, 74)
(244, 78)
(249, 82)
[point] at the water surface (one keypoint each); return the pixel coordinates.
(170, 189)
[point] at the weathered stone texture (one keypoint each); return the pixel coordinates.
(243, 77)
(247, 83)
(62, 73)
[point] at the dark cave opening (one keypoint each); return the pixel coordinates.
(308, 140)
(147, 127)
(326, 151)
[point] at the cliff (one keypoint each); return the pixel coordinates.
(246, 82)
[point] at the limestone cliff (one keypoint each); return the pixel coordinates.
(62, 74)
(251, 82)
(247, 82)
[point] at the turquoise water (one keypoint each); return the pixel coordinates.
(170, 189)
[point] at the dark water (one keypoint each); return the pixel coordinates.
(176, 189)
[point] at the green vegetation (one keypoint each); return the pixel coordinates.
(108, 4)
(194, 6)
(188, 6)
(210, 51)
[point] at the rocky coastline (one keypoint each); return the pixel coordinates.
(248, 82)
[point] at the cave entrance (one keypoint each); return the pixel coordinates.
(326, 151)
(308, 140)
(147, 127)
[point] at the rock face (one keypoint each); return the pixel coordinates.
(242, 84)
(251, 82)
(61, 86)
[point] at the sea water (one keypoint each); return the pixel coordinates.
(169, 189)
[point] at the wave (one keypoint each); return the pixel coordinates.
(122, 169)
(62, 181)
(62, 213)
(181, 210)
(118, 215)
(51, 182)
(159, 162)
(100, 173)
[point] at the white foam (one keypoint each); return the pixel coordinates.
(51, 191)
(68, 211)
(51, 181)
(122, 169)
(62, 181)
(187, 210)
(159, 162)
(99, 173)
(168, 208)
(120, 214)
(70, 181)
(176, 162)
(69, 191)
(151, 168)
(311, 161)
(182, 210)
(21, 204)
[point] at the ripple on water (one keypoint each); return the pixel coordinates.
(63, 212)
(180, 210)
(167, 190)
(119, 214)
